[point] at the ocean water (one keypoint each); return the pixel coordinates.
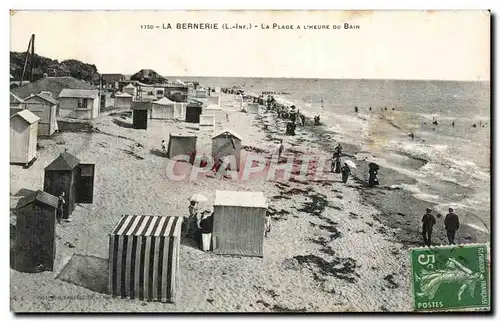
(457, 171)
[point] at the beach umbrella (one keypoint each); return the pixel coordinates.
(198, 198)
(351, 164)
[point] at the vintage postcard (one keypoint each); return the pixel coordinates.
(250, 161)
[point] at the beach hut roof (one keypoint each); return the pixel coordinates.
(123, 95)
(65, 161)
(227, 131)
(129, 86)
(164, 101)
(78, 93)
(44, 97)
(14, 99)
(240, 199)
(152, 225)
(41, 196)
(27, 115)
(183, 135)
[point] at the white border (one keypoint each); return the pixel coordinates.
(198, 4)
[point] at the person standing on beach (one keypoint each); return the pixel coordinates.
(60, 207)
(451, 225)
(206, 227)
(227, 117)
(428, 222)
(267, 225)
(280, 149)
(356, 109)
(163, 146)
(346, 171)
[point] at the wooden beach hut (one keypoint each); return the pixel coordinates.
(207, 120)
(35, 248)
(181, 144)
(45, 107)
(131, 90)
(66, 174)
(123, 100)
(162, 109)
(213, 100)
(226, 143)
(180, 111)
(253, 108)
(239, 221)
(201, 93)
(144, 258)
(140, 111)
(193, 112)
(23, 137)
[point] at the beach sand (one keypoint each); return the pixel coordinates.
(330, 248)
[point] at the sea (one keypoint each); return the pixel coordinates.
(456, 168)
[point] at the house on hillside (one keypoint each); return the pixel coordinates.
(79, 103)
(51, 86)
(112, 80)
(45, 108)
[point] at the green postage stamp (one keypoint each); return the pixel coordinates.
(451, 277)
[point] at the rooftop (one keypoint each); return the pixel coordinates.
(227, 132)
(78, 93)
(148, 225)
(51, 84)
(43, 97)
(65, 161)
(40, 196)
(240, 199)
(27, 115)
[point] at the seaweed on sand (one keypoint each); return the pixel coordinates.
(390, 279)
(253, 149)
(316, 206)
(278, 308)
(341, 268)
(277, 214)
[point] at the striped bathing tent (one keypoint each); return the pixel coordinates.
(144, 257)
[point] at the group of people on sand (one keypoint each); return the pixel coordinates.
(199, 226)
(338, 166)
(451, 226)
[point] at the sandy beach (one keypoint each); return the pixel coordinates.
(333, 247)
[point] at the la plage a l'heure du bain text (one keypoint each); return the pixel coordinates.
(247, 26)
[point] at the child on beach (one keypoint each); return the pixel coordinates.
(267, 225)
(280, 149)
(163, 146)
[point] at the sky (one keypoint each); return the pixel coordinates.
(440, 45)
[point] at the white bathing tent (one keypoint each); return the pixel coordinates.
(123, 100)
(162, 109)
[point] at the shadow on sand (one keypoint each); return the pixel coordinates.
(158, 153)
(87, 271)
(120, 123)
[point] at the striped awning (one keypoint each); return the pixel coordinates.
(144, 257)
(148, 225)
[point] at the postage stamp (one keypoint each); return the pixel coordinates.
(450, 277)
